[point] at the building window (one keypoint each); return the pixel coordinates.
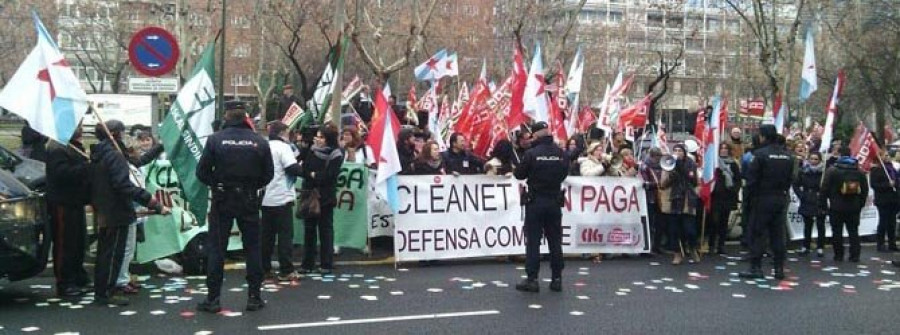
(240, 80)
(241, 51)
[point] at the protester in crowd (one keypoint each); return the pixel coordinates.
(678, 202)
(502, 162)
(593, 165)
(458, 160)
(523, 143)
(406, 149)
(574, 150)
(145, 140)
(745, 202)
(113, 196)
(277, 221)
(68, 187)
(724, 198)
(620, 142)
(807, 189)
(236, 164)
(887, 201)
(651, 173)
(834, 153)
(355, 149)
(629, 163)
(844, 192)
(124, 283)
(285, 101)
(320, 172)
(736, 140)
(429, 161)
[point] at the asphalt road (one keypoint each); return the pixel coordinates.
(628, 296)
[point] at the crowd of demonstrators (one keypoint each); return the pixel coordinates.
(459, 160)
(429, 161)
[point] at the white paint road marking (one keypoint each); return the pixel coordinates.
(378, 320)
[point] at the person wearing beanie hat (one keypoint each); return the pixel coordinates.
(771, 173)
(843, 194)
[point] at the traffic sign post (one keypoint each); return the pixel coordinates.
(153, 51)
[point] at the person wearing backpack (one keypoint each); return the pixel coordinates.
(844, 193)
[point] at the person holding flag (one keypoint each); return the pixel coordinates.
(770, 174)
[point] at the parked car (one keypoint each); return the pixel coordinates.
(24, 230)
(29, 171)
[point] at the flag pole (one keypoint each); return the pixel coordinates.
(221, 80)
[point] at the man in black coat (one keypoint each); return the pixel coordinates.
(236, 164)
(844, 193)
(68, 191)
(887, 200)
(458, 160)
(113, 196)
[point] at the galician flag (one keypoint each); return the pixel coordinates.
(535, 99)
(386, 130)
(808, 82)
(329, 85)
(44, 90)
(185, 129)
(831, 116)
(573, 88)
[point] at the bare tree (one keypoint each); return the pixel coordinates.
(766, 20)
(379, 33)
(99, 41)
(551, 22)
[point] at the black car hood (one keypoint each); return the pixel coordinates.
(10, 187)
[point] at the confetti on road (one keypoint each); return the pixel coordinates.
(324, 297)
(534, 306)
(353, 286)
(41, 304)
(576, 313)
(654, 263)
(739, 296)
(187, 314)
(332, 319)
(204, 332)
(396, 292)
(583, 297)
(724, 284)
(77, 306)
(127, 313)
(403, 270)
(692, 286)
(158, 312)
(30, 329)
(369, 297)
(638, 283)
(435, 290)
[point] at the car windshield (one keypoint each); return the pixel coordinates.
(10, 187)
(8, 159)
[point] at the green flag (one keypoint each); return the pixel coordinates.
(185, 129)
(330, 84)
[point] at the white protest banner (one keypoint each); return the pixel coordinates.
(380, 220)
(445, 217)
(868, 219)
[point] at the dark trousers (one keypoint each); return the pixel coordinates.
(717, 225)
(767, 224)
(543, 218)
(657, 228)
(319, 233)
(887, 225)
(808, 222)
(69, 245)
(110, 251)
(278, 223)
(226, 208)
(683, 229)
(745, 221)
(838, 222)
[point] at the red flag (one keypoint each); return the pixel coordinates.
(559, 106)
(863, 147)
(381, 115)
(586, 117)
(412, 97)
(700, 125)
(517, 104)
(468, 114)
(635, 116)
(723, 114)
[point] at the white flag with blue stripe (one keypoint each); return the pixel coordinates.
(808, 83)
(44, 90)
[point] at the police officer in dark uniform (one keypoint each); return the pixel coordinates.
(236, 164)
(545, 166)
(770, 175)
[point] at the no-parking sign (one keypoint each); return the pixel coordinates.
(153, 51)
